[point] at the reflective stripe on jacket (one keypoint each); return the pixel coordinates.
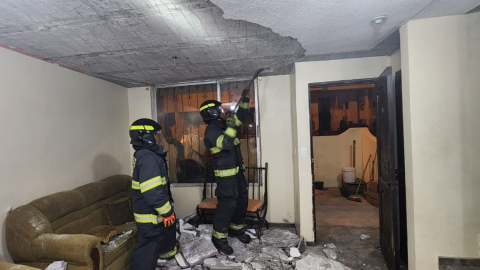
(150, 188)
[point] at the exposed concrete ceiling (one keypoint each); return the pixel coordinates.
(143, 42)
(146, 42)
(338, 26)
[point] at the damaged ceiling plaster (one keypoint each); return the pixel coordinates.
(329, 28)
(151, 42)
(143, 42)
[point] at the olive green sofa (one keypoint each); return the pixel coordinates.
(59, 227)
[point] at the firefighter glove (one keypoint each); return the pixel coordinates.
(231, 122)
(246, 95)
(170, 220)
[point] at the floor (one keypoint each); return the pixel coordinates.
(341, 222)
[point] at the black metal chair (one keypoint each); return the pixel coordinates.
(257, 204)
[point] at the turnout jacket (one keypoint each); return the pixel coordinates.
(225, 146)
(150, 187)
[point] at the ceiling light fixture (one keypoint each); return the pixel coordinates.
(379, 19)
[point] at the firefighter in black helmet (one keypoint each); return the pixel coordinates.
(152, 202)
(232, 188)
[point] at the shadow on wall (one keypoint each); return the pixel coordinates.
(340, 180)
(104, 166)
(5, 255)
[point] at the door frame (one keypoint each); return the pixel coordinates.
(398, 118)
(312, 162)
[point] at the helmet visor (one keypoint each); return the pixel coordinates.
(221, 112)
(158, 137)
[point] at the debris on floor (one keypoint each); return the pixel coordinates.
(279, 249)
(302, 246)
(181, 261)
(248, 256)
(294, 252)
(330, 246)
(364, 237)
(57, 265)
(196, 249)
(341, 223)
(279, 238)
(330, 253)
(276, 253)
(215, 263)
(186, 226)
(317, 262)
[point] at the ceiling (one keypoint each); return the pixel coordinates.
(338, 26)
(150, 42)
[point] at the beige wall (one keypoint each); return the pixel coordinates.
(138, 106)
(396, 62)
(310, 72)
(276, 135)
(332, 153)
(369, 149)
(441, 90)
(60, 129)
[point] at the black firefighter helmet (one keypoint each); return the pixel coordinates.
(210, 110)
(142, 132)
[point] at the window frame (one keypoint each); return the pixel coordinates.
(154, 112)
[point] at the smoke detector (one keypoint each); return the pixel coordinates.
(379, 19)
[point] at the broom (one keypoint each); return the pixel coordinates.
(356, 198)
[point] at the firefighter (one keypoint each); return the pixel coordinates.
(232, 188)
(152, 202)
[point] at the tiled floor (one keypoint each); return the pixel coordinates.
(341, 222)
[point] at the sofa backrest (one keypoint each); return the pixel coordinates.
(68, 212)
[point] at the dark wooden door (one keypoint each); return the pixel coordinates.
(388, 193)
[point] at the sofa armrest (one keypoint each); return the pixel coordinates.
(78, 249)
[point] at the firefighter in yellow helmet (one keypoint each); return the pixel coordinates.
(152, 202)
(232, 188)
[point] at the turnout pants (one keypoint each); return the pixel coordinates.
(154, 242)
(232, 195)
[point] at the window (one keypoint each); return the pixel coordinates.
(183, 129)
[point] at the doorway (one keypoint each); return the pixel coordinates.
(363, 216)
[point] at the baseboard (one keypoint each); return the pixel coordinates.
(282, 225)
(453, 263)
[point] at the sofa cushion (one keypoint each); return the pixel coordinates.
(84, 224)
(119, 211)
(103, 232)
(62, 225)
(59, 204)
(119, 182)
(96, 191)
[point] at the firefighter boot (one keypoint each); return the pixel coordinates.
(241, 235)
(222, 246)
